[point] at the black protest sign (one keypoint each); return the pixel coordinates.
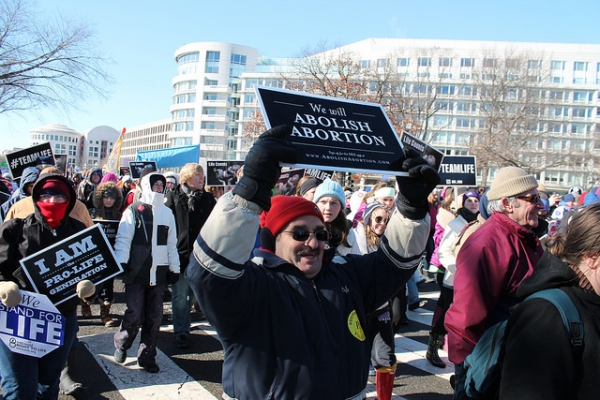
(124, 171)
(110, 228)
(21, 159)
(319, 174)
(138, 167)
(334, 134)
(458, 170)
(432, 155)
(56, 270)
(287, 182)
(222, 173)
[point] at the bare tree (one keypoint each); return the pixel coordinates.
(46, 63)
(514, 126)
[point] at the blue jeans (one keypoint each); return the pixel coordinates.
(181, 304)
(29, 378)
(411, 285)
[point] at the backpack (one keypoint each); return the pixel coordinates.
(482, 367)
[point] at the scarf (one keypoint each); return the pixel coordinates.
(192, 195)
(467, 214)
(53, 213)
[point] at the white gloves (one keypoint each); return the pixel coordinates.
(10, 294)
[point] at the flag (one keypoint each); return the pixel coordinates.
(112, 164)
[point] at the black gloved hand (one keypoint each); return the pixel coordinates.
(261, 167)
(413, 189)
(172, 277)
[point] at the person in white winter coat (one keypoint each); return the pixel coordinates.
(146, 245)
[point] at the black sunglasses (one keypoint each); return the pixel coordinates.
(302, 235)
(381, 220)
(533, 199)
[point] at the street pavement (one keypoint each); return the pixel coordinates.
(195, 373)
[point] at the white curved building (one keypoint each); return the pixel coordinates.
(98, 144)
(83, 150)
(63, 140)
(205, 96)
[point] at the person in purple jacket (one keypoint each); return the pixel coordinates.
(291, 320)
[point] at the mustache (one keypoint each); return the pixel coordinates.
(307, 251)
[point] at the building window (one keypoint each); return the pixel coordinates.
(467, 62)
(210, 96)
(383, 63)
(489, 63)
(209, 111)
(424, 61)
(445, 62)
(365, 64)
(446, 89)
(580, 66)
(582, 96)
(188, 58)
(534, 64)
(238, 59)
(557, 65)
(403, 62)
(211, 82)
(212, 61)
(189, 126)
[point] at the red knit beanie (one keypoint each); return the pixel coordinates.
(285, 209)
(56, 184)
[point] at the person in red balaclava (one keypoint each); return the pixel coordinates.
(25, 376)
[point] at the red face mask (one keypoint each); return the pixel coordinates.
(53, 213)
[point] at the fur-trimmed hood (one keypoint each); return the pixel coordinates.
(103, 188)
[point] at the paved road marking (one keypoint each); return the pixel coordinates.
(132, 382)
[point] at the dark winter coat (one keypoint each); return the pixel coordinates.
(539, 362)
(189, 222)
(30, 175)
(99, 212)
(286, 336)
(20, 238)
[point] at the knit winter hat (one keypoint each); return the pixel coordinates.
(369, 210)
(591, 198)
(285, 209)
(157, 177)
(109, 177)
(511, 181)
(384, 192)
(54, 186)
(308, 184)
(470, 193)
(568, 197)
(332, 189)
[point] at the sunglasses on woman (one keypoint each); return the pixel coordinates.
(381, 220)
(302, 235)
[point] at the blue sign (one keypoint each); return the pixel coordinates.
(34, 327)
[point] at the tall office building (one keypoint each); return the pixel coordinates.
(457, 95)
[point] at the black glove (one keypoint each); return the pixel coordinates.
(261, 167)
(172, 277)
(413, 189)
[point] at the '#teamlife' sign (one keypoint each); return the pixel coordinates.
(34, 327)
(56, 270)
(21, 159)
(458, 170)
(334, 134)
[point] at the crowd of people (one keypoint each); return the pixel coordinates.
(307, 290)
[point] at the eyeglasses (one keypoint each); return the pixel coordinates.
(302, 235)
(58, 198)
(381, 220)
(533, 199)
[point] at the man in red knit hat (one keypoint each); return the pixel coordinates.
(291, 320)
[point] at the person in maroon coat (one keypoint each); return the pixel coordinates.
(493, 262)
